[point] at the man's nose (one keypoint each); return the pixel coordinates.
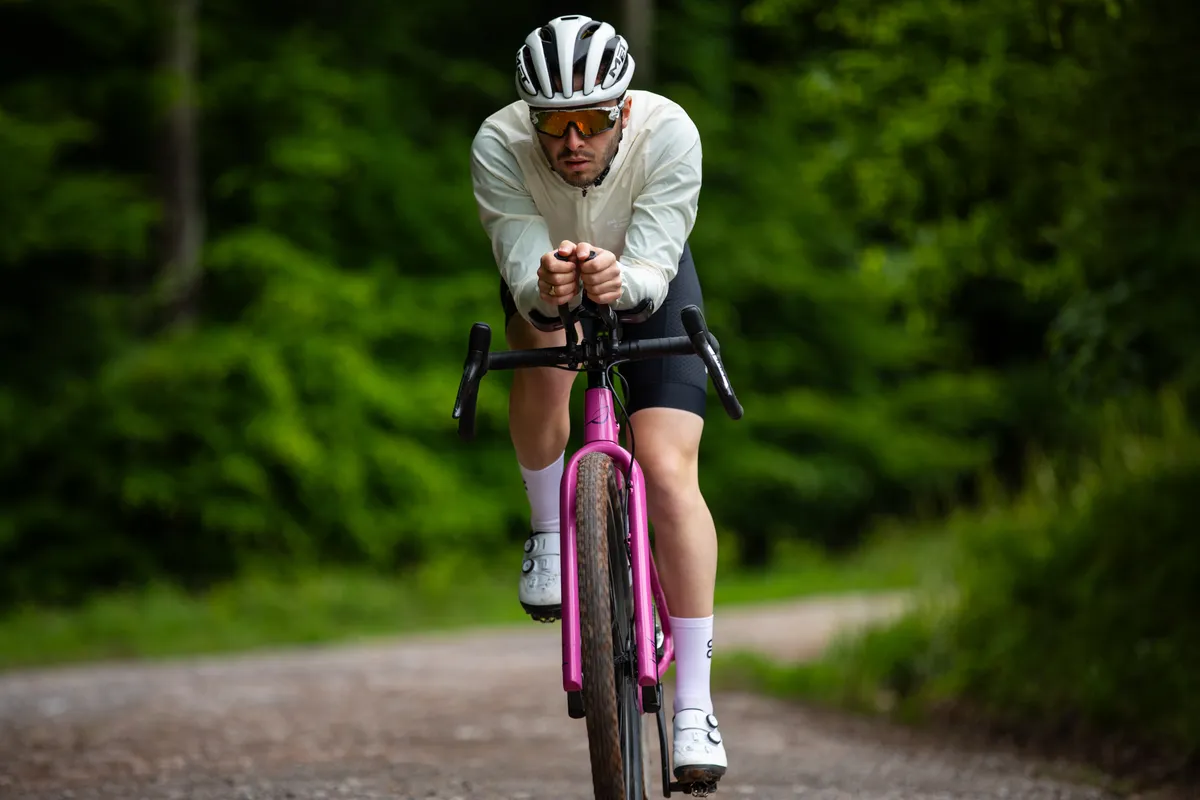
(574, 138)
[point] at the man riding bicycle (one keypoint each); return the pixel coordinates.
(585, 163)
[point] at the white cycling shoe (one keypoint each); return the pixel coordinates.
(540, 589)
(699, 751)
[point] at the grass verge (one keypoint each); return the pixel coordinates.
(886, 669)
(330, 606)
(897, 672)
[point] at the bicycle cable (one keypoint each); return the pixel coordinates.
(624, 415)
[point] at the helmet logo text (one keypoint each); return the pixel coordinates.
(618, 61)
(523, 76)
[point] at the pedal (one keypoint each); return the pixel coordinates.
(698, 781)
(697, 789)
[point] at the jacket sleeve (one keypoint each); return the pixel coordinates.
(663, 214)
(518, 233)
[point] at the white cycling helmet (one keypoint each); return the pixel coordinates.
(564, 48)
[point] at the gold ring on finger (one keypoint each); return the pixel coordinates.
(550, 291)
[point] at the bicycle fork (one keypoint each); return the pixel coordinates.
(600, 435)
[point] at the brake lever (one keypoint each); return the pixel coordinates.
(704, 342)
(474, 368)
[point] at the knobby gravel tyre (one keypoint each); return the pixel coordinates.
(596, 626)
(629, 715)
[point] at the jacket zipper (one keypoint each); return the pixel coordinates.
(585, 221)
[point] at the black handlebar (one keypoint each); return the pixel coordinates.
(702, 341)
(595, 354)
(474, 369)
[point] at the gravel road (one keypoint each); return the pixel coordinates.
(460, 715)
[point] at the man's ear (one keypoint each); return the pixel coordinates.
(628, 104)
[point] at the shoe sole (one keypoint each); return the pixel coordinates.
(544, 614)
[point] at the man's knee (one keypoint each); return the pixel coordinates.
(547, 386)
(668, 450)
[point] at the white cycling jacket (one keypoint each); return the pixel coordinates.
(643, 211)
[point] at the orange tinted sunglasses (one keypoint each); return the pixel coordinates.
(588, 121)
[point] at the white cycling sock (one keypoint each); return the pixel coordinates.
(693, 662)
(541, 487)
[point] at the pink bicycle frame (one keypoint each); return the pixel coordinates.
(601, 435)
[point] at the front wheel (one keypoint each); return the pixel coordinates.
(610, 691)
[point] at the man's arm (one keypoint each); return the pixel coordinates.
(663, 215)
(518, 233)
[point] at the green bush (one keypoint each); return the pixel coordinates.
(1072, 613)
(1078, 604)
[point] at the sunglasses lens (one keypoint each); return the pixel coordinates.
(589, 121)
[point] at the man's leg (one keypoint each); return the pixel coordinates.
(667, 405)
(667, 444)
(539, 425)
(668, 448)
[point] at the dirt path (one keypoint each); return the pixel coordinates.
(466, 715)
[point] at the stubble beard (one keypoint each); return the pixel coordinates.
(598, 165)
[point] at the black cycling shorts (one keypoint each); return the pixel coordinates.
(672, 382)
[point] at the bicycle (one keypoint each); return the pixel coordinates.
(612, 666)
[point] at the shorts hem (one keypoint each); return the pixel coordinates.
(669, 394)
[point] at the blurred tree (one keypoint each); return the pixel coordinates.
(183, 212)
(637, 25)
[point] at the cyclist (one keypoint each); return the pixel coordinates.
(581, 163)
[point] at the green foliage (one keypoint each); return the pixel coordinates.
(1018, 178)
(881, 669)
(257, 611)
(1071, 616)
(1093, 586)
(1037, 143)
(853, 410)
(295, 423)
(291, 427)
(295, 440)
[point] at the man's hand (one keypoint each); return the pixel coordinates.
(558, 281)
(601, 275)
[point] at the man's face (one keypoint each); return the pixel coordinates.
(578, 160)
